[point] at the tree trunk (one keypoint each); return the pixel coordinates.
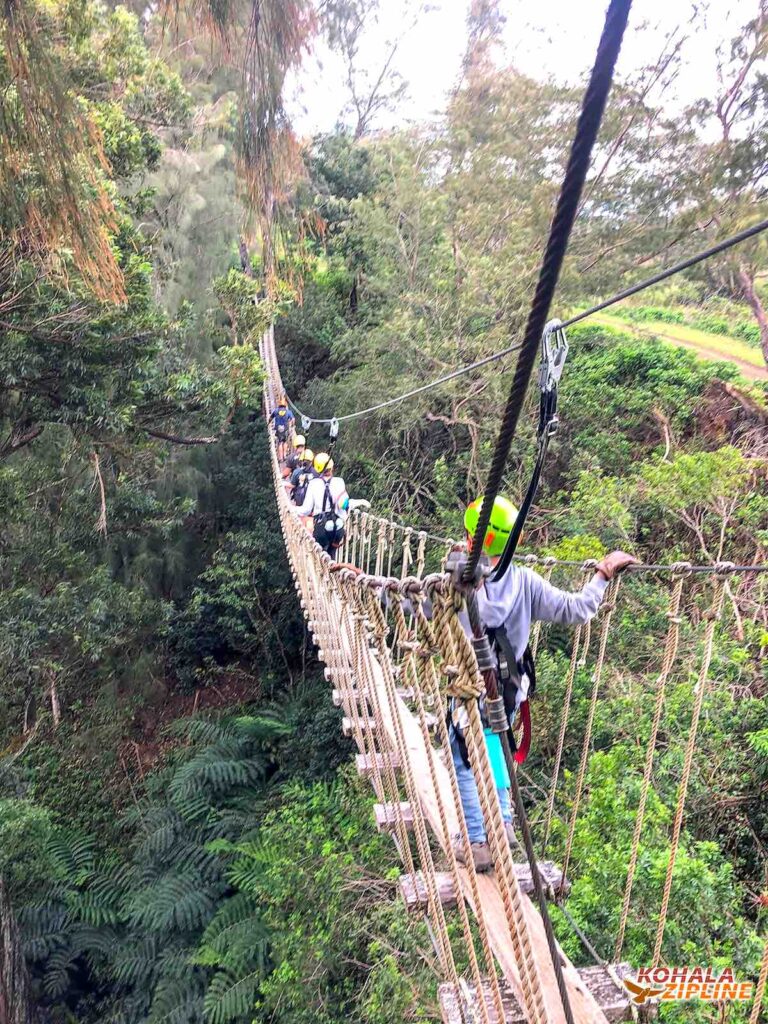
(245, 258)
(55, 704)
(747, 282)
(15, 1003)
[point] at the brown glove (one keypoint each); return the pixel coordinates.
(336, 566)
(615, 562)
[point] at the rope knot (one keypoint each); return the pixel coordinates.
(411, 585)
(531, 559)
(681, 568)
(588, 563)
(549, 560)
(723, 569)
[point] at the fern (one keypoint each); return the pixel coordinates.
(177, 901)
(230, 997)
(57, 971)
(178, 1001)
(163, 826)
(72, 856)
(237, 937)
(134, 963)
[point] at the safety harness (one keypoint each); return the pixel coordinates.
(517, 677)
(327, 517)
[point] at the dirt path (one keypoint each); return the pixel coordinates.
(705, 351)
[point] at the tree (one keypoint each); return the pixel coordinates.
(731, 172)
(15, 1002)
(370, 91)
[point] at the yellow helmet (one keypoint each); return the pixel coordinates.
(307, 455)
(502, 521)
(322, 463)
(299, 441)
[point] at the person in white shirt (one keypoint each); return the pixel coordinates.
(510, 605)
(326, 504)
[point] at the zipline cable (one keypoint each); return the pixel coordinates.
(691, 261)
(410, 394)
(641, 286)
(567, 205)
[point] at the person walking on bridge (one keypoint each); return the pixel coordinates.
(296, 456)
(326, 504)
(507, 609)
(281, 419)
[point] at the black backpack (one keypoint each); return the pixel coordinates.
(323, 535)
(300, 490)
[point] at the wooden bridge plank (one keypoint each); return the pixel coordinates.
(584, 1006)
(614, 1002)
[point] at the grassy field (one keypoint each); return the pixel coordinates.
(709, 346)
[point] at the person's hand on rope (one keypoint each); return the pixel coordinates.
(616, 561)
(337, 566)
(358, 503)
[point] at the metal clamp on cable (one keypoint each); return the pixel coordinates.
(483, 653)
(554, 351)
(306, 423)
(334, 429)
(496, 714)
(456, 563)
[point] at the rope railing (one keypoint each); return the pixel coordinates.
(550, 562)
(381, 649)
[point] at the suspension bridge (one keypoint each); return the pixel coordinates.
(391, 667)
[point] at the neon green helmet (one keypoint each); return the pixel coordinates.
(503, 519)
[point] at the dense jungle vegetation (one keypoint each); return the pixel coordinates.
(182, 837)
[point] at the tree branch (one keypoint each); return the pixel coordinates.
(16, 440)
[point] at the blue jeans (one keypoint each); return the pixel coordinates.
(470, 800)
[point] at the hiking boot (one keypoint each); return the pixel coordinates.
(481, 855)
(512, 839)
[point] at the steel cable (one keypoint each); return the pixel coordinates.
(560, 231)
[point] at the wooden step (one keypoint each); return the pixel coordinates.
(366, 724)
(369, 724)
(365, 766)
(386, 816)
(338, 699)
(415, 893)
(614, 1002)
(414, 890)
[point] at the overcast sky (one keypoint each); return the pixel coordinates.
(544, 38)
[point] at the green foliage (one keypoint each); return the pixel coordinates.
(312, 873)
(654, 314)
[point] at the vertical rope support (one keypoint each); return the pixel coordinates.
(354, 558)
(414, 671)
(407, 553)
(713, 616)
(421, 553)
(390, 787)
(381, 545)
(564, 722)
(420, 831)
(468, 684)
(668, 660)
(549, 564)
(391, 543)
(754, 1016)
(607, 614)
